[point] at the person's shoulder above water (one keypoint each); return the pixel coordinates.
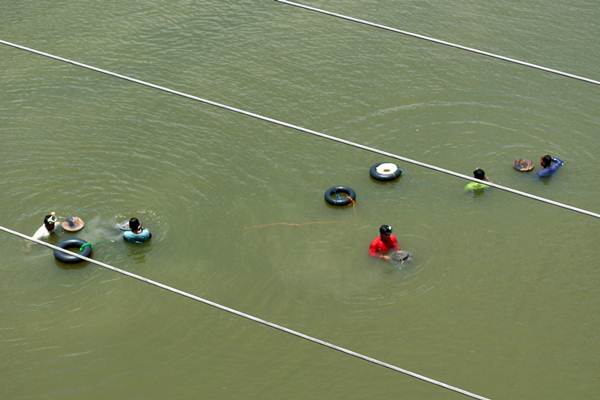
(41, 233)
(140, 237)
(550, 165)
(477, 186)
(137, 234)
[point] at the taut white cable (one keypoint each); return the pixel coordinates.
(304, 130)
(251, 317)
(442, 42)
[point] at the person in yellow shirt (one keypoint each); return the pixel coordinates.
(476, 186)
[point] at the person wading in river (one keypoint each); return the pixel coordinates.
(384, 243)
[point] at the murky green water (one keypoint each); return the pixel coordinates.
(501, 298)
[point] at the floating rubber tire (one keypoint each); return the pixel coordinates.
(72, 244)
(385, 172)
(340, 196)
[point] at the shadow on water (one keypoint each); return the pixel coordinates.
(66, 266)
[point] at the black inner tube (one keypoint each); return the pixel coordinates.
(390, 176)
(71, 244)
(340, 196)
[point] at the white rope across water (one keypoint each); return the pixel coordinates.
(442, 42)
(304, 130)
(251, 317)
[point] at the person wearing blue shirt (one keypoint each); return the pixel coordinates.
(550, 165)
(138, 234)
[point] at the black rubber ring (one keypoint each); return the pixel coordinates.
(384, 177)
(72, 244)
(332, 196)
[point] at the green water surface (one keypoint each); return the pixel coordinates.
(501, 298)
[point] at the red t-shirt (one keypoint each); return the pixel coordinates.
(380, 247)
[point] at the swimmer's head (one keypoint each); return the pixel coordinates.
(479, 174)
(546, 161)
(134, 224)
(385, 230)
(49, 221)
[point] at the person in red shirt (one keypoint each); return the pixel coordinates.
(384, 243)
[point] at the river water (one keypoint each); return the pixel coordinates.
(502, 295)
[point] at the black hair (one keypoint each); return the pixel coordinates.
(134, 224)
(385, 230)
(546, 161)
(479, 174)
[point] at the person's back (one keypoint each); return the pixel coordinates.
(477, 186)
(138, 234)
(550, 165)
